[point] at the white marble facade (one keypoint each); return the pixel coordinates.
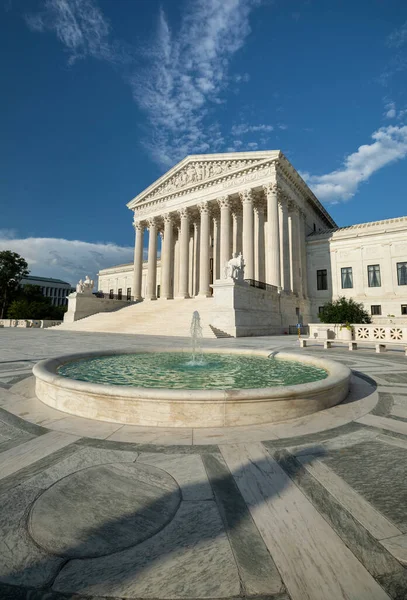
(208, 207)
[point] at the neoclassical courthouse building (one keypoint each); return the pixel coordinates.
(209, 208)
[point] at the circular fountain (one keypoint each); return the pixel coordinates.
(205, 388)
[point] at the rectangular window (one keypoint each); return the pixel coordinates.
(373, 276)
(128, 295)
(119, 294)
(111, 294)
(347, 278)
(404, 309)
(158, 291)
(402, 273)
(376, 309)
(320, 309)
(322, 279)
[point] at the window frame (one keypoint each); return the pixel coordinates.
(349, 273)
(404, 309)
(128, 294)
(120, 294)
(376, 273)
(322, 277)
(400, 266)
(373, 312)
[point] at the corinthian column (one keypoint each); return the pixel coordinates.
(248, 233)
(273, 235)
(204, 250)
(138, 260)
(303, 254)
(183, 254)
(294, 233)
(284, 245)
(224, 205)
(166, 258)
(259, 241)
(237, 221)
(215, 237)
(151, 293)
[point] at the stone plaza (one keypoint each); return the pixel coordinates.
(309, 508)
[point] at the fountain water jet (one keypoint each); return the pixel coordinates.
(196, 340)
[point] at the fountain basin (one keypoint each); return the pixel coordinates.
(160, 407)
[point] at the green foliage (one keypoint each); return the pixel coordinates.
(35, 308)
(13, 268)
(344, 310)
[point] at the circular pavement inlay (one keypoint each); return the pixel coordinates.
(103, 509)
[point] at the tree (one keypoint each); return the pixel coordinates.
(13, 268)
(344, 310)
(29, 303)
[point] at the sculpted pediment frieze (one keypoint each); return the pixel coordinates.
(198, 172)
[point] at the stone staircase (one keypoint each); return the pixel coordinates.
(158, 317)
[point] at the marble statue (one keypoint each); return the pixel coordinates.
(234, 267)
(85, 287)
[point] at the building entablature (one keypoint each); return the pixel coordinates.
(204, 178)
(372, 228)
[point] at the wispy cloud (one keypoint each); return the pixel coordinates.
(398, 37)
(397, 41)
(244, 128)
(81, 27)
(389, 146)
(389, 109)
(187, 73)
(69, 260)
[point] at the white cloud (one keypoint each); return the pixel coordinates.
(389, 145)
(81, 27)
(184, 74)
(244, 128)
(187, 72)
(398, 37)
(69, 260)
(390, 110)
(252, 145)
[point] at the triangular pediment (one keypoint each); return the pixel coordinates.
(195, 170)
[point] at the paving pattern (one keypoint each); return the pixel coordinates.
(314, 508)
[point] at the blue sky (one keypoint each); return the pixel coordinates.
(100, 97)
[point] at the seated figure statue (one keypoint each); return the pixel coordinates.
(85, 287)
(234, 267)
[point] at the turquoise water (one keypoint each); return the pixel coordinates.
(176, 370)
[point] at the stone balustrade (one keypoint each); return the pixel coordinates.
(390, 333)
(30, 323)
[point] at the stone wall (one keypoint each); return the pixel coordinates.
(82, 305)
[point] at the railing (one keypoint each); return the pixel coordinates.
(29, 323)
(293, 330)
(377, 333)
(261, 285)
(361, 332)
(109, 296)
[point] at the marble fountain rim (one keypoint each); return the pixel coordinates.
(338, 373)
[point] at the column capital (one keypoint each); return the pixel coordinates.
(246, 196)
(270, 189)
(293, 206)
(184, 212)
(224, 201)
(152, 222)
(204, 208)
(139, 225)
(168, 218)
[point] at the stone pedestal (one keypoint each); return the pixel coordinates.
(242, 310)
(84, 305)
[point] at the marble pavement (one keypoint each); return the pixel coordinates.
(312, 508)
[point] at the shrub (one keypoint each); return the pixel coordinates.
(344, 310)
